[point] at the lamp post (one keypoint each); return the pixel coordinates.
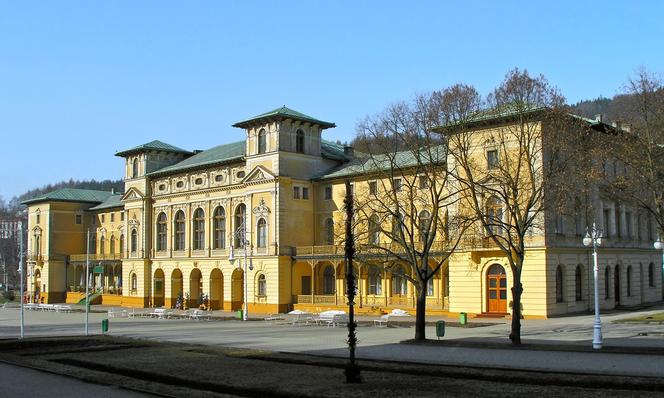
(594, 238)
(241, 233)
(20, 271)
(659, 245)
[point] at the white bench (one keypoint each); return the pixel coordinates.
(62, 308)
(200, 314)
(117, 313)
(382, 321)
(337, 319)
(161, 313)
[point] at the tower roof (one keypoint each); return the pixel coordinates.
(155, 145)
(281, 114)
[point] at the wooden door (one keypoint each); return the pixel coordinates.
(496, 289)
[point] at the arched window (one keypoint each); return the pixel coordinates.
(112, 245)
(329, 231)
(328, 280)
(299, 141)
(134, 241)
(262, 233)
(134, 283)
(179, 230)
(629, 280)
(607, 282)
(560, 296)
(122, 246)
(651, 275)
(102, 245)
(446, 282)
(425, 222)
(162, 232)
(375, 281)
(240, 214)
(134, 168)
(262, 285)
(578, 280)
(374, 230)
(219, 228)
(494, 215)
(399, 286)
(397, 227)
(430, 289)
(262, 141)
(199, 229)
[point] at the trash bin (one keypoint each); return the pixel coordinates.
(104, 326)
(440, 329)
(463, 318)
(238, 314)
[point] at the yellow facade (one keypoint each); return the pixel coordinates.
(176, 232)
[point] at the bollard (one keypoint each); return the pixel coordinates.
(104, 326)
(463, 318)
(440, 329)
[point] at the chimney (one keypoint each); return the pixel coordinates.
(598, 117)
(348, 150)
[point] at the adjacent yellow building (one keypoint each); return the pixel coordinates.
(182, 229)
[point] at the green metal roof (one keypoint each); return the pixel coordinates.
(365, 164)
(110, 202)
(332, 150)
(71, 195)
(155, 145)
(283, 113)
(219, 154)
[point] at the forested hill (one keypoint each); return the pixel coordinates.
(611, 108)
(105, 185)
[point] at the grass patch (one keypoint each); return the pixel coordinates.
(659, 317)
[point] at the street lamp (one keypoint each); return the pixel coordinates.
(594, 238)
(659, 245)
(241, 234)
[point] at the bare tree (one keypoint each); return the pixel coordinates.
(511, 161)
(407, 207)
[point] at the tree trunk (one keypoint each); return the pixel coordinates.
(517, 289)
(420, 309)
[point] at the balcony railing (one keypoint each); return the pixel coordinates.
(95, 257)
(372, 300)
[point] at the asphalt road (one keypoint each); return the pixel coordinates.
(16, 381)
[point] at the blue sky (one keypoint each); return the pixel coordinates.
(82, 80)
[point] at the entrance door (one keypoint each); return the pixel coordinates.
(496, 289)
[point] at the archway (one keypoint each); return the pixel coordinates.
(216, 290)
(496, 282)
(195, 288)
(176, 288)
(159, 291)
(237, 289)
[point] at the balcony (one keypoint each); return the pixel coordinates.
(363, 249)
(95, 257)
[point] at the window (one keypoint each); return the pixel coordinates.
(198, 181)
(492, 159)
(240, 174)
(262, 141)
(93, 219)
(638, 226)
(607, 282)
(112, 217)
(219, 178)
(396, 184)
(328, 280)
(628, 221)
(494, 215)
(296, 192)
(219, 228)
(423, 182)
(446, 282)
(375, 281)
(425, 222)
(629, 280)
(328, 192)
(373, 188)
(262, 285)
(162, 231)
(134, 168)
(122, 216)
(102, 245)
(240, 217)
(134, 283)
(651, 275)
(37, 245)
(79, 219)
(103, 218)
(578, 224)
(38, 218)
(112, 245)
(397, 227)
(399, 286)
(607, 223)
(93, 244)
(305, 193)
(559, 285)
(374, 230)
(560, 225)
(329, 231)
(262, 233)
(122, 246)
(134, 241)
(430, 287)
(299, 141)
(199, 229)
(650, 227)
(578, 280)
(179, 184)
(618, 222)
(179, 230)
